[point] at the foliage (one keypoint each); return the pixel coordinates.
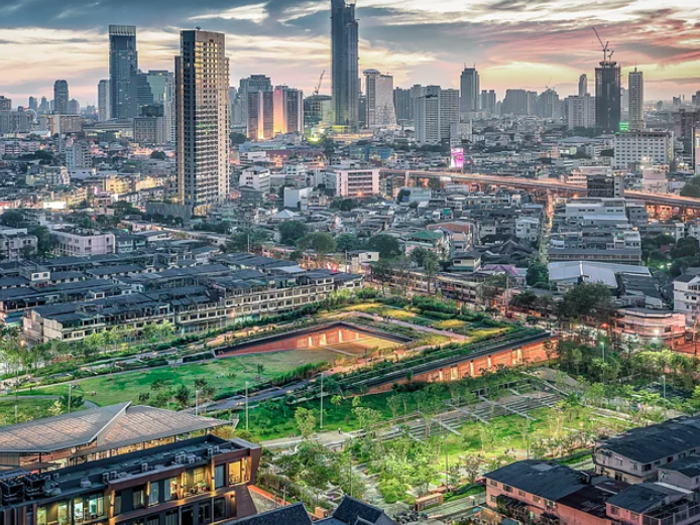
(347, 242)
(537, 273)
(587, 300)
(320, 242)
(344, 204)
(386, 245)
(292, 231)
(691, 188)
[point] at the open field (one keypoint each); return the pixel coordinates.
(229, 373)
(27, 409)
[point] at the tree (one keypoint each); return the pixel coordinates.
(343, 204)
(238, 138)
(242, 241)
(686, 247)
(306, 421)
(347, 242)
(472, 468)
(431, 266)
(386, 245)
(292, 231)
(589, 300)
(419, 255)
(537, 273)
(182, 396)
(691, 188)
(12, 218)
(158, 155)
(320, 242)
(492, 288)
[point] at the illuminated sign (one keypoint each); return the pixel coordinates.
(697, 152)
(624, 126)
(457, 158)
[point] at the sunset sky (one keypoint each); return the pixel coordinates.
(514, 43)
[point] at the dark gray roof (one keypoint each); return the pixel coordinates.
(544, 479)
(641, 498)
(352, 511)
(647, 444)
(292, 515)
(689, 466)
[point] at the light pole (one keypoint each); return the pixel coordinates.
(70, 392)
(321, 419)
(196, 402)
(246, 405)
(663, 377)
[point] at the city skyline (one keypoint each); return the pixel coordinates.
(514, 44)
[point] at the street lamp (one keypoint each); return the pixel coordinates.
(246, 405)
(70, 391)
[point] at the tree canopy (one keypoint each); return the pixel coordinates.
(292, 231)
(386, 245)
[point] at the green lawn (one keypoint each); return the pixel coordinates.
(127, 387)
(27, 409)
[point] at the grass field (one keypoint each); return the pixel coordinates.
(127, 386)
(27, 409)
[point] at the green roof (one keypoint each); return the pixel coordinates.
(426, 236)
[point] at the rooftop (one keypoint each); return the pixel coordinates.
(544, 479)
(111, 427)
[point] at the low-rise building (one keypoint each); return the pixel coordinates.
(80, 242)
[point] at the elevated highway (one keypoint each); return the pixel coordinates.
(554, 185)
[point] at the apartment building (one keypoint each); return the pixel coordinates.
(637, 147)
(686, 296)
(192, 482)
(80, 242)
(355, 182)
(16, 244)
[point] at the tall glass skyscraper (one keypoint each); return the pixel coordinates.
(607, 96)
(60, 97)
(123, 68)
(202, 116)
(345, 64)
(471, 91)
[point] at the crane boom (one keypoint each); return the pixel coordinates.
(603, 46)
(320, 82)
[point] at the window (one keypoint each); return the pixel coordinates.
(170, 489)
(219, 476)
(138, 498)
(154, 494)
(522, 494)
(493, 498)
(634, 516)
(507, 488)
(219, 508)
(117, 504)
(41, 516)
(614, 511)
(204, 513)
(493, 483)
(537, 499)
(171, 517)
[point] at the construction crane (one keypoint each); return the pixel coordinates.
(320, 82)
(605, 47)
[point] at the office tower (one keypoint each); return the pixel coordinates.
(469, 84)
(515, 102)
(44, 107)
(607, 94)
(427, 116)
(103, 112)
(696, 99)
(33, 104)
(449, 111)
(583, 85)
(403, 105)
(202, 116)
(580, 112)
(379, 91)
(345, 64)
(318, 112)
(636, 100)
(73, 107)
(235, 104)
(250, 85)
(549, 105)
(531, 103)
(261, 115)
(488, 101)
(123, 68)
(60, 97)
(157, 87)
(5, 104)
(685, 122)
(288, 108)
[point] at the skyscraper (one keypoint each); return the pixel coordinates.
(33, 104)
(449, 111)
(345, 64)
(583, 85)
(549, 105)
(5, 104)
(123, 68)
(488, 101)
(250, 85)
(103, 112)
(516, 102)
(261, 115)
(288, 110)
(379, 90)
(403, 104)
(60, 97)
(202, 115)
(44, 107)
(427, 115)
(607, 95)
(636, 100)
(471, 92)
(73, 107)
(161, 87)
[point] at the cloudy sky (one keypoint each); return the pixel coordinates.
(514, 43)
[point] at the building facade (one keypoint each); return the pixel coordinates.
(470, 91)
(123, 68)
(379, 90)
(345, 64)
(202, 90)
(60, 97)
(636, 100)
(642, 147)
(104, 112)
(607, 96)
